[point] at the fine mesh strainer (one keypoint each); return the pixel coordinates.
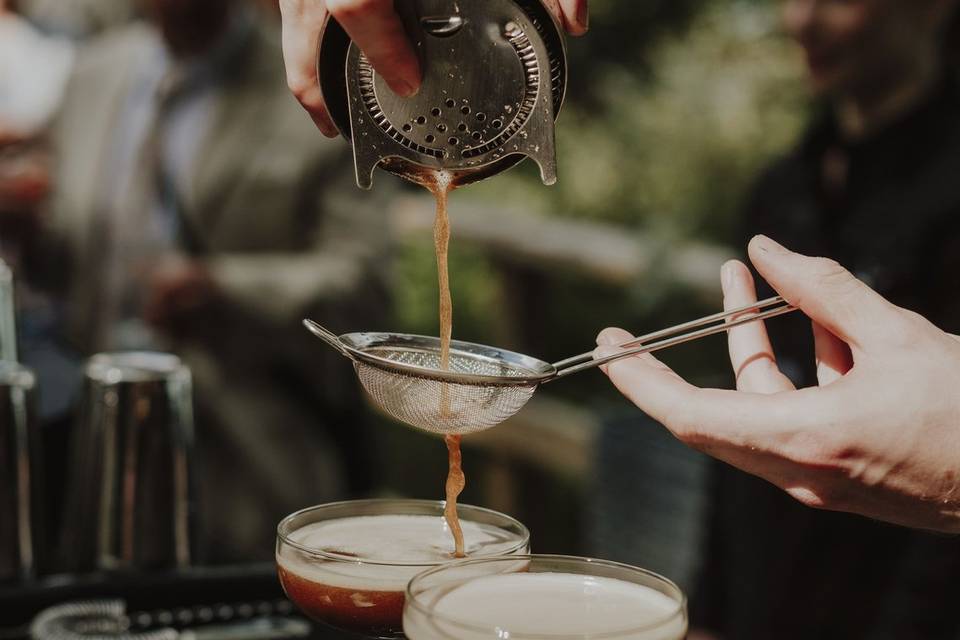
(484, 386)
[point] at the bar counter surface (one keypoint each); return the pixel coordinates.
(188, 599)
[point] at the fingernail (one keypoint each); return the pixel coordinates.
(603, 339)
(766, 244)
(583, 15)
(605, 350)
(726, 275)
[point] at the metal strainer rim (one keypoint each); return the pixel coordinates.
(357, 344)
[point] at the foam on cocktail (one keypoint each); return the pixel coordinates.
(385, 539)
(544, 604)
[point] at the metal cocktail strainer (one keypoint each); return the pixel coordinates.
(484, 386)
(494, 76)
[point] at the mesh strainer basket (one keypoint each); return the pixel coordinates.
(484, 386)
(402, 374)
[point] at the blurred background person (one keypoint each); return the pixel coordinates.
(34, 70)
(873, 185)
(196, 210)
(33, 74)
(78, 19)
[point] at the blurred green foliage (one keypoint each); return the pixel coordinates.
(667, 138)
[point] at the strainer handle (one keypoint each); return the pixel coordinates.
(675, 335)
(327, 336)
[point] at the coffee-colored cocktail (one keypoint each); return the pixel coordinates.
(347, 564)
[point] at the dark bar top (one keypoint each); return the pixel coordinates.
(178, 599)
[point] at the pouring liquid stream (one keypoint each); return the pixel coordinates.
(441, 183)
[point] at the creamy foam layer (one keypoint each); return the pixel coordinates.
(417, 540)
(548, 603)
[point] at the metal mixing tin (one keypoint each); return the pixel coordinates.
(494, 78)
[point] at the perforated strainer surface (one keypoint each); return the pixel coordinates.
(428, 400)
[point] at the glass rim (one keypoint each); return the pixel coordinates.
(134, 366)
(14, 374)
(411, 600)
(326, 555)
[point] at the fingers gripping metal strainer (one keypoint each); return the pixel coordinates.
(494, 76)
(484, 386)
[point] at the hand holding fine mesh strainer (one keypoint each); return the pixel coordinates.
(484, 386)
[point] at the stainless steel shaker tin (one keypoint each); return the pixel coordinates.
(494, 78)
(8, 324)
(131, 493)
(20, 495)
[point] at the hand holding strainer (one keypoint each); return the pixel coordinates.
(484, 386)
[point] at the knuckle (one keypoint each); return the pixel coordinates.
(907, 329)
(816, 449)
(831, 273)
(693, 435)
(688, 428)
(825, 462)
(913, 319)
(913, 323)
(304, 90)
(765, 368)
(297, 89)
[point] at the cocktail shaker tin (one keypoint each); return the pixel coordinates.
(494, 77)
(20, 495)
(131, 497)
(8, 323)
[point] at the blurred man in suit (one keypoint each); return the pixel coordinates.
(197, 210)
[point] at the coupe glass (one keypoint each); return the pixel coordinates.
(346, 564)
(543, 598)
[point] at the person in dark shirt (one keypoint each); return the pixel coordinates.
(875, 185)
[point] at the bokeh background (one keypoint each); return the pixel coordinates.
(177, 111)
(672, 107)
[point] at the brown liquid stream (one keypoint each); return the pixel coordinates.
(441, 242)
(440, 184)
(456, 481)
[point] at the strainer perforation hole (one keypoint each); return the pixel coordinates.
(461, 127)
(465, 110)
(497, 123)
(481, 117)
(451, 103)
(435, 112)
(453, 141)
(442, 128)
(407, 127)
(477, 136)
(430, 138)
(421, 120)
